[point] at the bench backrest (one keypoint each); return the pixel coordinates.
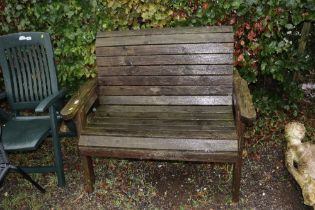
(173, 66)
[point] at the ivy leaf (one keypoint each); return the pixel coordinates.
(289, 26)
(19, 7)
(236, 4)
(297, 19)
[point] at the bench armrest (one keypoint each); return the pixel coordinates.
(243, 99)
(48, 101)
(79, 99)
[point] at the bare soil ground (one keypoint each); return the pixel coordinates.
(131, 184)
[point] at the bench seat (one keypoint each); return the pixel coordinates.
(190, 128)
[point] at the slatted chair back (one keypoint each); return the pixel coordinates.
(28, 68)
(165, 66)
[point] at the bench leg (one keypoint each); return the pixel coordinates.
(237, 168)
(88, 173)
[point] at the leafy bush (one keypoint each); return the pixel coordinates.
(266, 33)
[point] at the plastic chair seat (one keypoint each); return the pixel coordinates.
(22, 134)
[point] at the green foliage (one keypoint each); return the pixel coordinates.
(135, 14)
(266, 33)
(72, 26)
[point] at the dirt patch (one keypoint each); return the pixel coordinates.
(123, 184)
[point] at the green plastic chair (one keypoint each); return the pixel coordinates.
(30, 80)
(5, 167)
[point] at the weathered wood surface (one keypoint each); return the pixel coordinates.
(88, 171)
(164, 66)
(161, 31)
(212, 118)
(165, 39)
(223, 126)
(79, 99)
(167, 100)
(166, 70)
(165, 122)
(156, 125)
(166, 80)
(159, 115)
(172, 109)
(165, 49)
(164, 90)
(206, 145)
(148, 154)
(243, 99)
(200, 134)
(144, 60)
(154, 88)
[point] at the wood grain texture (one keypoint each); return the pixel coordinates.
(149, 154)
(166, 115)
(155, 87)
(166, 80)
(149, 127)
(215, 122)
(88, 172)
(164, 90)
(236, 182)
(200, 134)
(79, 99)
(171, 49)
(162, 122)
(165, 60)
(206, 145)
(165, 39)
(172, 109)
(243, 99)
(166, 70)
(167, 100)
(161, 31)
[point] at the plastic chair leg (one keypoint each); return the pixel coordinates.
(27, 177)
(57, 148)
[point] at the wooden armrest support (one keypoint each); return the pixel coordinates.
(243, 99)
(80, 99)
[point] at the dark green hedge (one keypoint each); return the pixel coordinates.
(266, 32)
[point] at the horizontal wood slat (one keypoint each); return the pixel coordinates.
(152, 154)
(204, 48)
(159, 115)
(165, 70)
(165, 80)
(165, 39)
(161, 31)
(159, 143)
(161, 122)
(146, 127)
(172, 109)
(165, 60)
(164, 90)
(200, 134)
(167, 100)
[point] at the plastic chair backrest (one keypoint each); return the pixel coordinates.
(28, 68)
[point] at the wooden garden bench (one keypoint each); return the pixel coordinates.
(163, 94)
